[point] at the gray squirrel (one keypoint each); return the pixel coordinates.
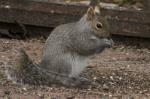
(66, 52)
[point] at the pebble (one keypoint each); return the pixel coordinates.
(24, 89)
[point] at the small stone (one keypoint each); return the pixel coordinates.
(111, 77)
(127, 53)
(128, 66)
(7, 42)
(41, 95)
(110, 95)
(7, 6)
(51, 88)
(95, 78)
(3, 56)
(89, 89)
(120, 78)
(130, 87)
(103, 77)
(24, 89)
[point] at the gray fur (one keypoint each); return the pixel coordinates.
(67, 50)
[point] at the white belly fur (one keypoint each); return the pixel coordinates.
(78, 64)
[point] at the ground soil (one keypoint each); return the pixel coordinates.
(122, 72)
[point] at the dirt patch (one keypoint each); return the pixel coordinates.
(121, 72)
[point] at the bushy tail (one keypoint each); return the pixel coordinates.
(26, 72)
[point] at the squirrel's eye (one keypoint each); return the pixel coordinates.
(99, 25)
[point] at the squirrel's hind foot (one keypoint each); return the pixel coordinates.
(80, 82)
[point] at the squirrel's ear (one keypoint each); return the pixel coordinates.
(97, 9)
(90, 13)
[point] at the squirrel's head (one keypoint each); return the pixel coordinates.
(97, 22)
